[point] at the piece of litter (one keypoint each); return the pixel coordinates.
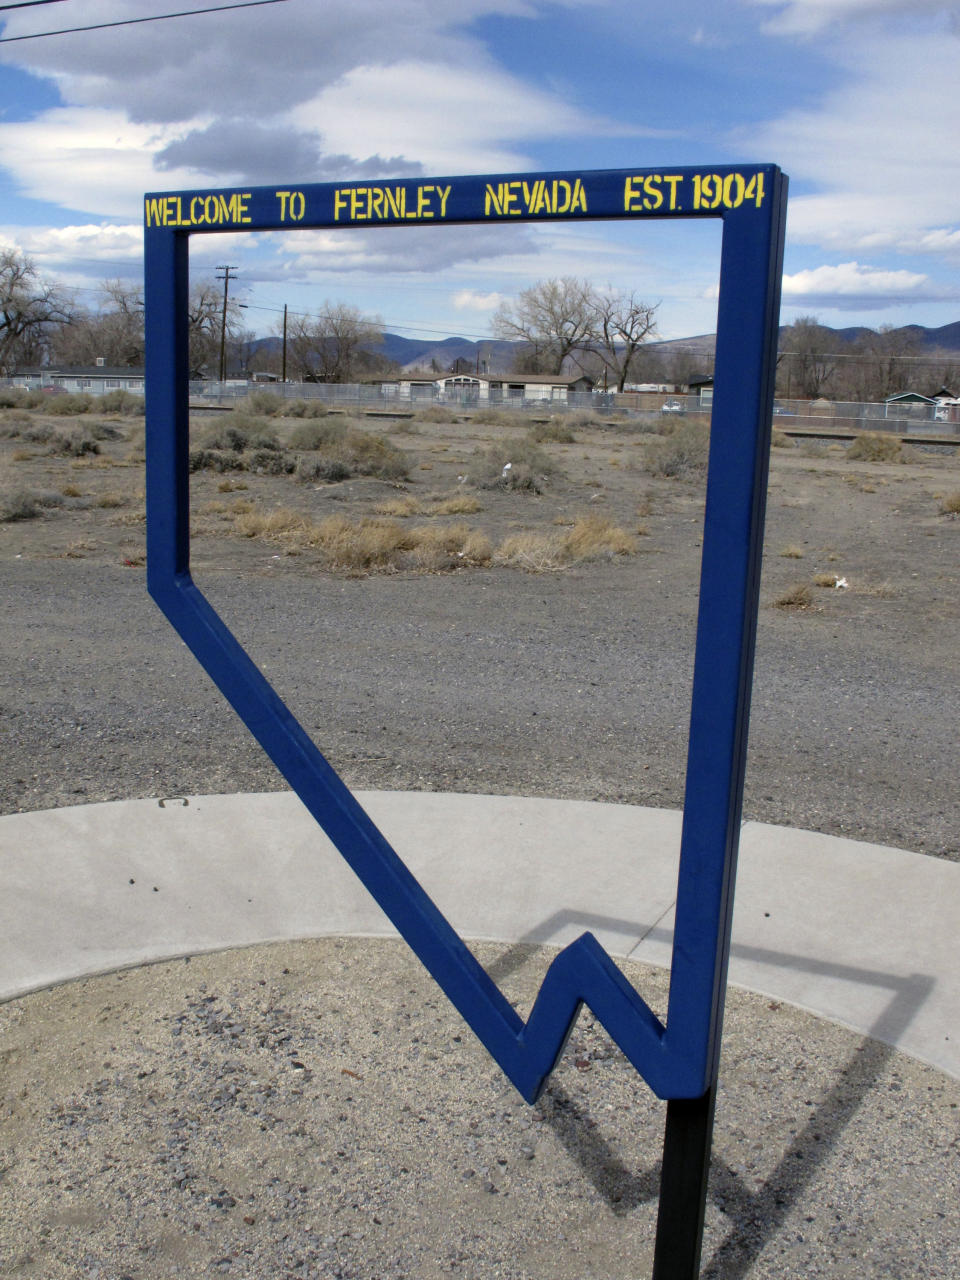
(841, 584)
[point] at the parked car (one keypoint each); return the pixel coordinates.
(672, 406)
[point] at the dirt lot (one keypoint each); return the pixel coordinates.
(444, 623)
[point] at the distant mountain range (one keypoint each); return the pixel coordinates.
(492, 356)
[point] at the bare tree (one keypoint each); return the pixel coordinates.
(620, 324)
(30, 307)
(205, 318)
(114, 334)
(883, 366)
(807, 361)
(552, 319)
(334, 346)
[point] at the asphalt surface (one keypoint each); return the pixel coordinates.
(492, 681)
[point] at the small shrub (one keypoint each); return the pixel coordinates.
(218, 460)
(684, 451)
(436, 413)
(792, 552)
(580, 418)
(489, 417)
(238, 431)
(355, 452)
(305, 409)
(266, 403)
(875, 446)
(556, 431)
(122, 402)
(270, 462)
(780, 440)
(517, 464)
(104, 431)
(825, 580)
(12, 397)
(950, 504)
(111, 500)
(26, 504)
(78, 444)
(317, 435)
(69, 405)
(799, 596)
(42, 433)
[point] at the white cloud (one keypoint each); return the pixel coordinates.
(472, 300)
(808, 17)
(450, 118)
(879, 151)
(851, 285)
(94, 161)
(90, 242)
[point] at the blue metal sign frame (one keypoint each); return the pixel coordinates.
(679, 1057)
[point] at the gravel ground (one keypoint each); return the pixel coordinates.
(317, 1110)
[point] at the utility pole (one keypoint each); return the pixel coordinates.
(283, 362)
(223, 320)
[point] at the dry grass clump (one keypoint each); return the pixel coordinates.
(950, 504)
(589, 538)
(370, 544)
(792, 552)
(513, 464)
(459, 504)
(400, 508)
(825, 580)
(797, 597)
(554, 431)
(780, 440)
(683, 451)
(875, 446)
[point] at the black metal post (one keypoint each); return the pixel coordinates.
(683, 1187)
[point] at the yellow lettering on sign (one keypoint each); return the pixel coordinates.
(382, 204)
(211, 210)
(293, 205)
(516, 198)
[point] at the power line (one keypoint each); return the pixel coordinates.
(28, 4)
(130, 22)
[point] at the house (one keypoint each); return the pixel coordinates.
(910, 405)
(525, 388)
(468, 388)
(93, 380)
(702, 387)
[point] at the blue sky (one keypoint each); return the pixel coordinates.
(855, 99)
